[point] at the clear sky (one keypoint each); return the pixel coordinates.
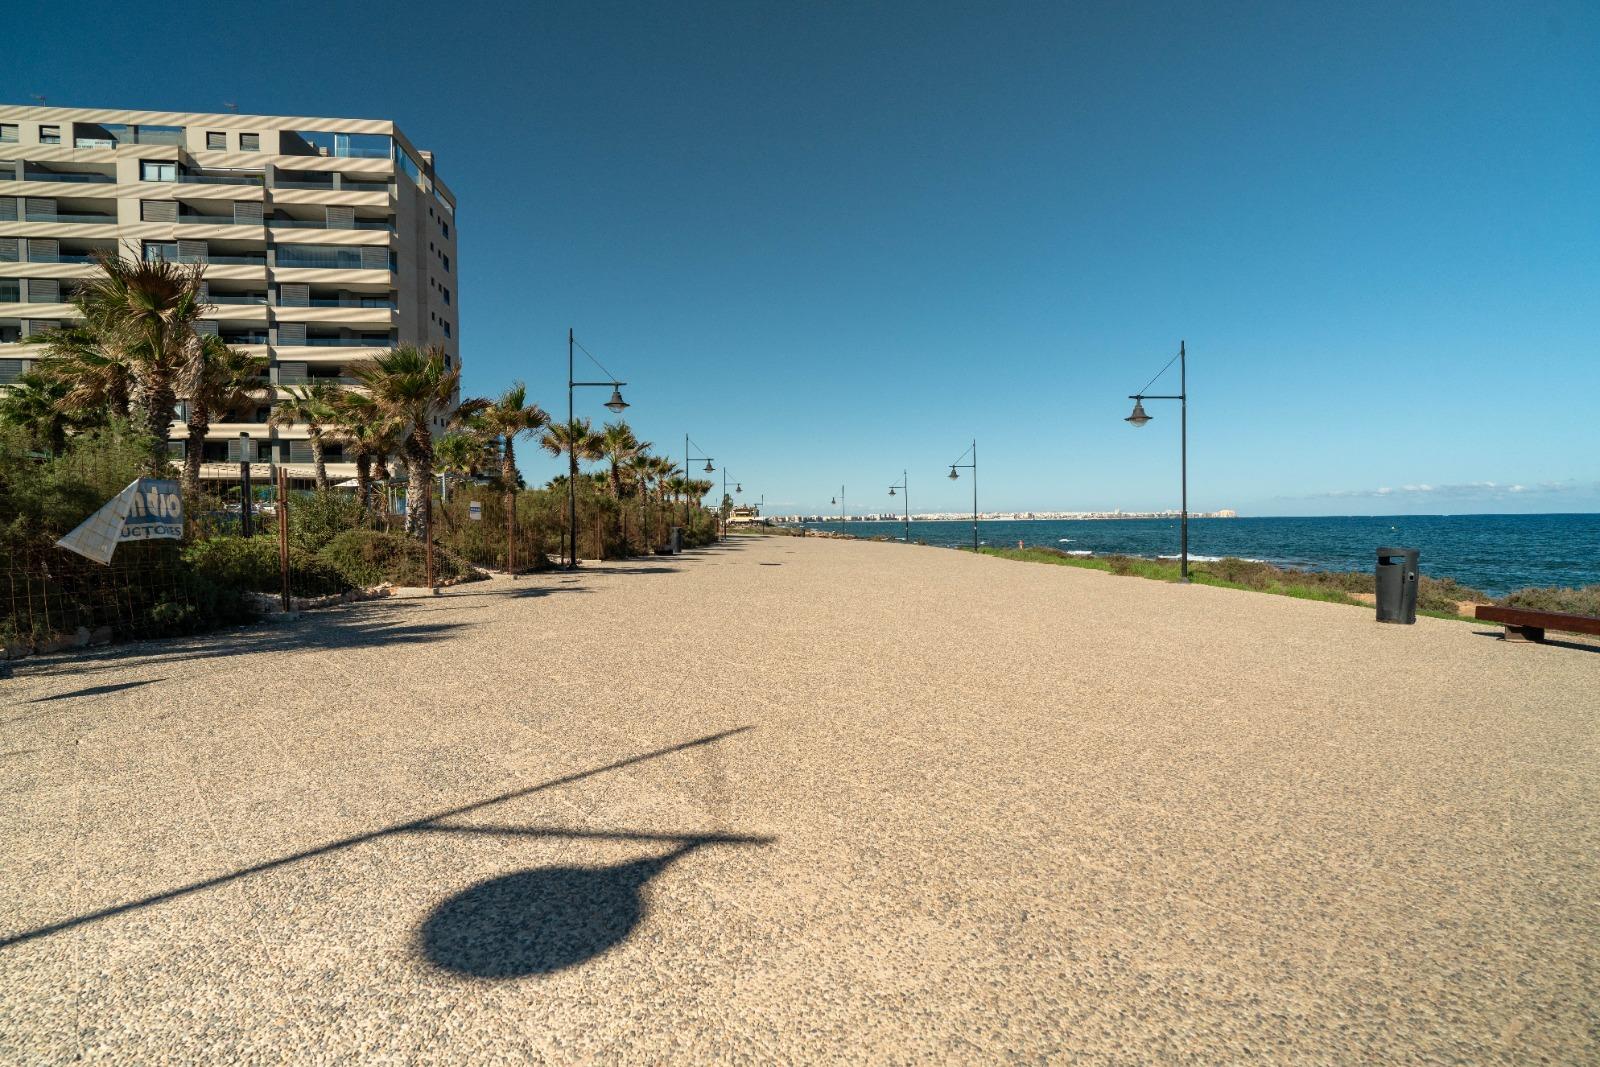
(834, 241)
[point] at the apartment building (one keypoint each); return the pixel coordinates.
(324, 241)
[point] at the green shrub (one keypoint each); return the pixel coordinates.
(1584, 601)
(252, 563)
(317, 518)
(371, 557)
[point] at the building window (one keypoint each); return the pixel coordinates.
(159, 250)
(249, 142)
(446, 226)
(446, 262)
(154, 170)
(446, 326)
(8, 132)
(49, 134)
(446, 293)
(217, 142)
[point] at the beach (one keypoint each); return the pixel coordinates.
(807, 800)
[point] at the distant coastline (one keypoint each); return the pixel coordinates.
(1009, 516)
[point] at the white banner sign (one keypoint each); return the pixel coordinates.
(146, 510)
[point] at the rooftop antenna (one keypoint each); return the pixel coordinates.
(231, 106)
(37, 96)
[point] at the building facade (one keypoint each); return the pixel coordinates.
(325, 241)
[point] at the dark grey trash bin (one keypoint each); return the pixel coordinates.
(1397, 585)
(675, 540)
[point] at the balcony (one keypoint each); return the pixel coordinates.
(238, 261)
(329, 302)
(244, 338)
(249, 299)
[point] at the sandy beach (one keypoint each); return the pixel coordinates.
(806, 800)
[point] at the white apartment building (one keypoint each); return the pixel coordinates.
(325, 240)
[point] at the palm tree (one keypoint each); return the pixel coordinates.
(461, 453)
(505, 420)
(414, 387)
(312, 405)
(369, 436)
(36, 402)
(142, 314)
(619, 445)
(228, 379)
(97, 383)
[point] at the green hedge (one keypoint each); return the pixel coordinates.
(252, 563)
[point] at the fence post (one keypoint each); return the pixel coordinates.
(281, 491)
(427, 530)
(511, 533)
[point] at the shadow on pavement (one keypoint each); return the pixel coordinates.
(96, 690)
(535, 906)
(1576, 646)
(548, 918)
(361, 625)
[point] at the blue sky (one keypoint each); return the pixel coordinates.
(834, 241)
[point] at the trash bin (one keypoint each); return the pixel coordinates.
(675, 540)
(1397, 585)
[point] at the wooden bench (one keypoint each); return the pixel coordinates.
(1524, 624)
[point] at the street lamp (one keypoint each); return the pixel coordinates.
(838, 502)
(687, 459)
(973, 466)
(904, 488)
(1139, 418)
(616, 404)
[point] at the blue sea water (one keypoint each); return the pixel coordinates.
(1495, 553)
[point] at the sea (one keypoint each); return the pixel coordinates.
(1494, 553)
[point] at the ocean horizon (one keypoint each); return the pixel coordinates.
(1496, 553)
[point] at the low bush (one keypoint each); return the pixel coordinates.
(371, 557)
(1581, 601)
(252, 563)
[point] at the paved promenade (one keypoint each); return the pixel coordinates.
(807, 801)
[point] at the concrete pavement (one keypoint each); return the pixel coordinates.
(796, 800)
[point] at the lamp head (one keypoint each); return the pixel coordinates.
(834, 502)
(709, 467)
(616, 403)
(891, 490)
(737, 488)
(1138, 418)
(953, 474)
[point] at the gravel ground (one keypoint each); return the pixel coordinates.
(817, 801)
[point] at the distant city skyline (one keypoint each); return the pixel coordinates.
(835, 243)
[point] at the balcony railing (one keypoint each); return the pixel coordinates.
(318, 379)
(222, 179)
(236, 298)
(324, 302)
(319, 224)
(93, 142)
(366, 187)
(244, 338)
(60, 176)
(237, 261)
(328, 262)
(216, 220)
(61, 216)
(343, 342)
(10, 293)
(60, 257)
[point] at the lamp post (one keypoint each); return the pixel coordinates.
(904, 488)
(973, 466)
(727, 501)
(615, 404)
(839, 502)
(687, 459)
(244, 484)
(1139, 418)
